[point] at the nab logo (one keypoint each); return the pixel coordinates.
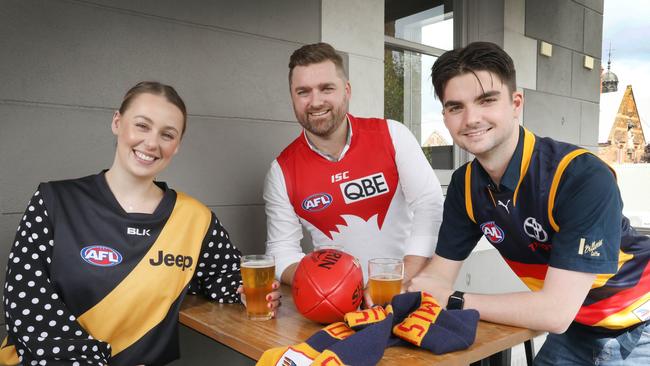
(317, 202)
(492, 232)
(99, 255)
(364, 188)
(136, 231)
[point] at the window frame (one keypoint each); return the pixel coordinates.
(460, 156)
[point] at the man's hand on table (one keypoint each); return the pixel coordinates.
(431, 284)
(273, 298)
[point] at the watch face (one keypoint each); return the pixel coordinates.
(456, 301)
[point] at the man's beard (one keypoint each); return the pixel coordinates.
(324, 127)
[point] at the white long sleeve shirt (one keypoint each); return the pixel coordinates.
(304, 187)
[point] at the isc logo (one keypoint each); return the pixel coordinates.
(99, 255)
(364, 188)
(317, 202)
(492, 232)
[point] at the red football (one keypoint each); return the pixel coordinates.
(328, 283)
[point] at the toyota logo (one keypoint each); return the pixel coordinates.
(535, 230)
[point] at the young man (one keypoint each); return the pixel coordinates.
(551, 209)
(359, 183)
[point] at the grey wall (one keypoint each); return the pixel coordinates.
(65, 65)
(561, 96)
(565, 101)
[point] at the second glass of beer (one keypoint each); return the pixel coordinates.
(258, 273)
(385, 279)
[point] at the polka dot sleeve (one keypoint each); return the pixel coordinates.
(217, 274)
(39, 325)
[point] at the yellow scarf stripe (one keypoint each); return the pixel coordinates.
(416, 325)
(468, 192)
(142, 300)
(556, 182)
(338, 330)
(365, 317)
(328, 358)
(529, 145)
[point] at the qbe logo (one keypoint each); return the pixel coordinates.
(492, 232)
(102, 256)
(317, 202)
(363, 188)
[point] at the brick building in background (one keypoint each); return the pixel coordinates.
(626, 142)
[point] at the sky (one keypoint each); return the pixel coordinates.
(626, 24)
(438, 35)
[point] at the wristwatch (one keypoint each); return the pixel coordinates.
(456, 301)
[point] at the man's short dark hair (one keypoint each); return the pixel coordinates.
(316, 53)
(477, 56)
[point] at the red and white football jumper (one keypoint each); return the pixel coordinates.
(380, 199)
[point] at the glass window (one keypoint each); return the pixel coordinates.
(415, 36)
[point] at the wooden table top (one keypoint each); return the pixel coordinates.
(227, 324)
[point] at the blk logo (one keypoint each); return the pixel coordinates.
(364, 188)
(170, 260)
(138, 232)
(493, 232)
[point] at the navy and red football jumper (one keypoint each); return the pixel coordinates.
(557, 205)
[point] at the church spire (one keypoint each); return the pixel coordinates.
(609, 80)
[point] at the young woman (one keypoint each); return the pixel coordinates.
(101, 264)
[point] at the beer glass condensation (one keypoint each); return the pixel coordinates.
(258, 273)
(385, 277)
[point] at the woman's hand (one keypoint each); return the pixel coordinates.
(272, 298)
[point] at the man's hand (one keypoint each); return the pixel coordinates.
(288, 273)
(413, 264)
(432, 284)
(437, 278)
(273, 298)
(367, 300)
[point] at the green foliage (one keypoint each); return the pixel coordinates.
(394, 85)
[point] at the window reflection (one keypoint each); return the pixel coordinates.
(408, 94)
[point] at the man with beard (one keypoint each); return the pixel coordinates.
(362, 184)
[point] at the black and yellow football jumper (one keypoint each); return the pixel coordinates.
(90, 284)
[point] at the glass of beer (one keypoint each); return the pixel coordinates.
(385, 279)
(258, 273)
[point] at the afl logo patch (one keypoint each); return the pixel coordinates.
(99, 255)
(317, 202)
(492, 232)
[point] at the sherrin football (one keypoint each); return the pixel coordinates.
(327, 284)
